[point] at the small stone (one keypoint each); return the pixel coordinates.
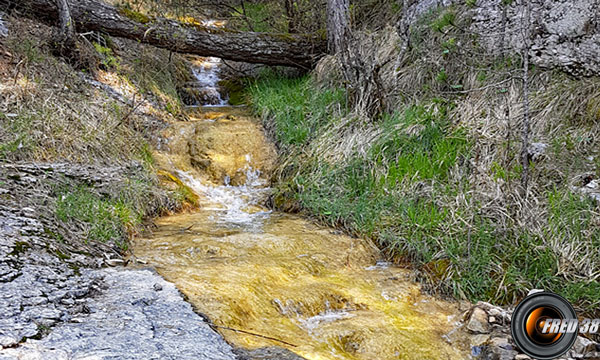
(522, 357)
(495, 312)
(583, 345)
(476, 351)
(498, 353)
(500, 342)
(537, 151)
(157, 287)
(478, 339)
(478, 321)
(593, 185)
(592, 356)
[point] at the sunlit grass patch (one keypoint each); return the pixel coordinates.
(101, 219)
(297, 109)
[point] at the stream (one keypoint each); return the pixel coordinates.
(266, 278)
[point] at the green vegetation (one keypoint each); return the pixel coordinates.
(134, 15)
(58, 116)
(435, 181)
(42, 131)
(109, 60)
(409, 181)
(19, 127)
(182, 193)
(102, 219)
(296, 108)
(258, 17)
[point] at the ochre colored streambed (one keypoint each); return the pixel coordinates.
(324, 295)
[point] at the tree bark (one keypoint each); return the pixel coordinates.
(338, 13)
(66, 24)
(298, 50)
(65, 41)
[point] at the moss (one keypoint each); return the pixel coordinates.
(61, 255)
(235, 90)
(75, 268)
(20, 247)
(285, 37)
(184, 192)
(109, 59)
(134, 15)
(54, 235)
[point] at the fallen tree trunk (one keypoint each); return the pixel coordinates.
(263, 48)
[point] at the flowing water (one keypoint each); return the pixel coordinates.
(279, 279)
(206, 72)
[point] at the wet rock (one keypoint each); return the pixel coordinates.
(268, 353)
(478, 321)
(498, 349)
(234, 150)
(201, 96)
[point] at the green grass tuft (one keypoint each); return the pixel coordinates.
(297, 109)
(103, 219)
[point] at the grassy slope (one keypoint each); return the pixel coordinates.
(435, 181)
(48, 113)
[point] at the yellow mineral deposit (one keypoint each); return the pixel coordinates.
(322, 295)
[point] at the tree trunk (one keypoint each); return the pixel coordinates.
(338, 13)
(65, 39)
(67, 30)
(271, 49)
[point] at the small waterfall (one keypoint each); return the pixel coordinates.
(207, 83)
(234, 206)
(205, 91)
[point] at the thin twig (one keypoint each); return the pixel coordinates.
(254, 334)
